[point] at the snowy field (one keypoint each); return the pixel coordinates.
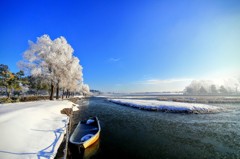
(32, 130)
(166, 106)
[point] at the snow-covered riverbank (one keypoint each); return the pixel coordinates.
(32, 129)
(166, 106)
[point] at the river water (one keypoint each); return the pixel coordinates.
(129, 133)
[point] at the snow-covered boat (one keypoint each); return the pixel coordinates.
(86, 133)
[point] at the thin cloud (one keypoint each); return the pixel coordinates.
(167, 81)
(158, 85)
(114, 59)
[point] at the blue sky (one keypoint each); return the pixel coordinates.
(131, 45)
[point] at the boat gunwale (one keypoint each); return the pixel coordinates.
(97, 133)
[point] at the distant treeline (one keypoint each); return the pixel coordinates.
(95, 91)
(14, 85)
(209, 88)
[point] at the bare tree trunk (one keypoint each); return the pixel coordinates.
(8, 94)
(67, 94)
(52, 91)
(6, 90)
(63, 93)
(57, 93)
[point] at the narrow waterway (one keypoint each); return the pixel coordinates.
(132, 133)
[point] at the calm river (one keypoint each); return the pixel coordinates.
(129, 133)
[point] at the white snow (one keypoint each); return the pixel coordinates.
(167, 106)
(32, 130)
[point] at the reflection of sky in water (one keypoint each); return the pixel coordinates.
(133, 133)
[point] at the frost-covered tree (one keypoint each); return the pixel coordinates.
(193, 88)
(73, 75)
(228, 86)
(85, 89)
(223, 90)
(65, 65)
(236, 87)
(198, 87)
(37, 60)
(202, 91)
(232, 84)
(213, 89)
(53, 61)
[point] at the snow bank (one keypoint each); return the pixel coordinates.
(32, 129)
(166, 106)
(79, 96)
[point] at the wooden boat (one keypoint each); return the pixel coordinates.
(86, 133)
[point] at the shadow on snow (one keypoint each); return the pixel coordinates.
(49, 150)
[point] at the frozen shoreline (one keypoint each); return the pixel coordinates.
(204, 99)
(166, 106)
(32, 129)
(201, 99)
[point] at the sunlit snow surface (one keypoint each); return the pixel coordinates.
(32, 129)
(166, 106)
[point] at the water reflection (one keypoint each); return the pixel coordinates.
(133, 133)
(81, 153)
(92, 150)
